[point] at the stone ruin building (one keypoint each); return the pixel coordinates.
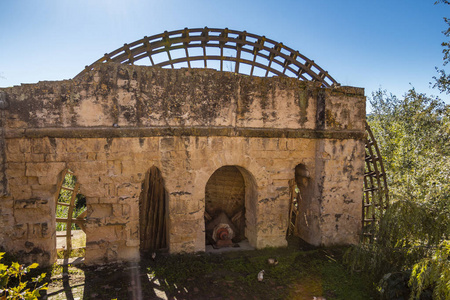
(159, 152)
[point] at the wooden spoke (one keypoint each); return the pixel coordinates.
(375, 193)
(281, 59)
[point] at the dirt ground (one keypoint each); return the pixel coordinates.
(298, 274)
(78, 239)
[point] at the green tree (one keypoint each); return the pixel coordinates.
(414, 134)
(442, 81)
(414, 137)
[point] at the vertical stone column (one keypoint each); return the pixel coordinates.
(341, 203)
(186, 194)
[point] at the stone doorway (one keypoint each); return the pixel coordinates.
(152, 213)
(230, 197)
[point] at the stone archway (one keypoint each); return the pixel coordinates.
(230, 196)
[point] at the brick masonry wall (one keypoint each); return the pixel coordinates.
(113, 125)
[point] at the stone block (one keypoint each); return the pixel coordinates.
(44, 169)
(6, 206)
(32, 180)
(167, 144)
(43, 146)
(34, 157)
(20, 191)
(35, 215)
(43, 180)
(125, 145)
(88, 178)
(283, 175)
(134, 167)
(270, 144)
(114, 167)
(132, 232)
(137, 178)
(90, 145)
(30, 203)
(108, 200)
(117, 221)
(15, 157)
(150, 144)
(68, 145)
(99, 210)
(95, 189)
(20, 231)
(110, 233)
(92, 200)
(117, 210)
(44, 191)
(18, 146)
(128, 190)
(18, 181)
(39, 230)
(71, 157)
(89, 167)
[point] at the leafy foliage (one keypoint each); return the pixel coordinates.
(433, 272)
(414, 134)
(19, 290)
(414, 137)
(442, 82)
(394, 286)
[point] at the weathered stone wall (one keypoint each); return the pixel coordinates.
(111, 126)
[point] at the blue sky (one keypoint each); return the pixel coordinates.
(393, 45)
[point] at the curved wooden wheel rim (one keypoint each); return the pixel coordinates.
(278, 59)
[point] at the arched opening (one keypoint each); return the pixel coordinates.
(70, 218)
(230, 208)
(301, 210)
(152, 213)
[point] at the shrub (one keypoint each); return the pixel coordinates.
(16, 288)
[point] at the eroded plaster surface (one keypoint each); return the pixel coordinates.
(110, 126)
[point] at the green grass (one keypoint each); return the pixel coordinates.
(78, 252)
(298, 275)
(309, 273)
